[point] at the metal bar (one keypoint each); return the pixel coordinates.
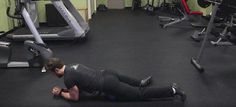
(31, 26)
(208, 30)
(70, 19)
(70, 7)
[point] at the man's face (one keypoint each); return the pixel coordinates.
(58, 73)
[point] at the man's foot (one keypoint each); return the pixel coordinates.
(145, 82)
(179, 92)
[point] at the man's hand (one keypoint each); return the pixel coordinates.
(56, 91)
(69, 94)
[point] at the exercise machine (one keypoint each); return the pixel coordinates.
(228, 3)
(168, 7)
(198, 34)
(230, 13)
(185, 15)
(38, 49)
(164, 5)
(1, 32)
(224, 18)
(136, 4)
(77, 26)
(149, 7)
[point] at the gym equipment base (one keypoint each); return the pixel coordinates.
(47, 33)
(197, 65)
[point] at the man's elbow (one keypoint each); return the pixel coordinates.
(74, 98)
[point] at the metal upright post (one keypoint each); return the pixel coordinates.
(196, 61)
(31, 26)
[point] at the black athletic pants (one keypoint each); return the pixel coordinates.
(126, 88)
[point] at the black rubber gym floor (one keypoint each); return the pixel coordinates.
(134, 44)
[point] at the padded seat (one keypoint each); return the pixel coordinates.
(196, 13)
(185, 11)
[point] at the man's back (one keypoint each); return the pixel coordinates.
(85, 78)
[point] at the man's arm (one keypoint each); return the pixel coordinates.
(71, 94)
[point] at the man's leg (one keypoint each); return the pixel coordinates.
(130, 80)
(120, 90)
(163, 92)
(156, 92)
(123, 91)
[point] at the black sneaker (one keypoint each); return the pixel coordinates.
(179, 92)
(145, 82)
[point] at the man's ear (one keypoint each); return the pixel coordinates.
(57, 69)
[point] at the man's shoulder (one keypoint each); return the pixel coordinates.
(74, 66)
(71, 70)
(71, 67)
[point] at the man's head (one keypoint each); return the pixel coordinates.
(56, 66)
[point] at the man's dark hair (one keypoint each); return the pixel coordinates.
(53, 63)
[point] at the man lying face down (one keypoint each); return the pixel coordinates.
(80, 78)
